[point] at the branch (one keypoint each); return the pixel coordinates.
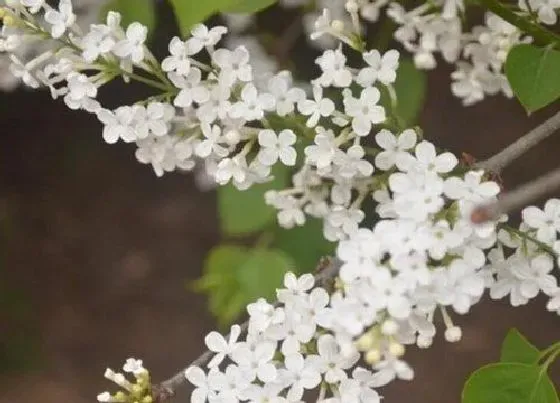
(517, 198)
(509, 154)
(326, 270)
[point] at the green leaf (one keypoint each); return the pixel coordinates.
(533, 75)
(234, 276)
(304, 244)
(516, 348)
(247, 6)
(191, 12)
(410, 88)
(142, 11)
(244, 212)
(263, 272)
(219, 281)
(509, 383)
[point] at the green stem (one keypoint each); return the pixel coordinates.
(553, 349)
(530, 238)
(541, 35)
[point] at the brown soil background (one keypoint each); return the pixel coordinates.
(98, 251)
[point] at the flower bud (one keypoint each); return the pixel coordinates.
(424, 341)
(351, 6)
(389, 327)
(365, 342)
(337, 25)
(373, 356)
(396, 349)
(453, 334)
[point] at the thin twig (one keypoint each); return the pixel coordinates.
(521, 146)
(326, 269)
(517, 198)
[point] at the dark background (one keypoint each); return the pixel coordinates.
(95, 252)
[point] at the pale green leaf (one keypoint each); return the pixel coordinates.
(142, 11)
(509, 383)
(410, 88)
(516, 348)
(533, 74)
(244, 212)
(306, 245)
(263, 272)
(247, 6)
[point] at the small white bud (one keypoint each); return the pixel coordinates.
(424, 341)
(351, 6)
(389, 327)
(453, 334)
(396, 349)
(373, 356)
(104, 397)
(337, 25)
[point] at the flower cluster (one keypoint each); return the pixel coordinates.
(423, 257)
(430, 29)
(138, 391)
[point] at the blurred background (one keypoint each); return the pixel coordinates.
(96, 252)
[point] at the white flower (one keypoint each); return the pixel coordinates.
(352, 163)
(323, 152)
(118, 124)
(61, 19)
(335, 72)
(252, 104)
(470, 188)
(155, 119)
(256, 361)
(210, 144)
(262, 315)
(98, 41)
(277, 147)
(192, 88)
(393, 146)
(81, 92)
(295, 287)
(219, 345)
(201, 37)
(33, 5)
(316, 108)
(390, 369)
(382, 69)
(204, 384)
(427, 160)
(231, 168)
(285, 97)
(233, 65)
(134, 366)
(179, 61)
(299, 374)
(133, 46)
(546, 222)
(330, 361)
(322, 25)
(364, 110)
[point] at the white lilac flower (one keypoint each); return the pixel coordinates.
(62, 19)
(222, 347)
(364, 110)
(132, 46)
(202, 37)
(546, 221)
(277, 147)
(381, 68)
(335, 72)
(393, 146)
(252, 104)
(316, 108)
(179, 60)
